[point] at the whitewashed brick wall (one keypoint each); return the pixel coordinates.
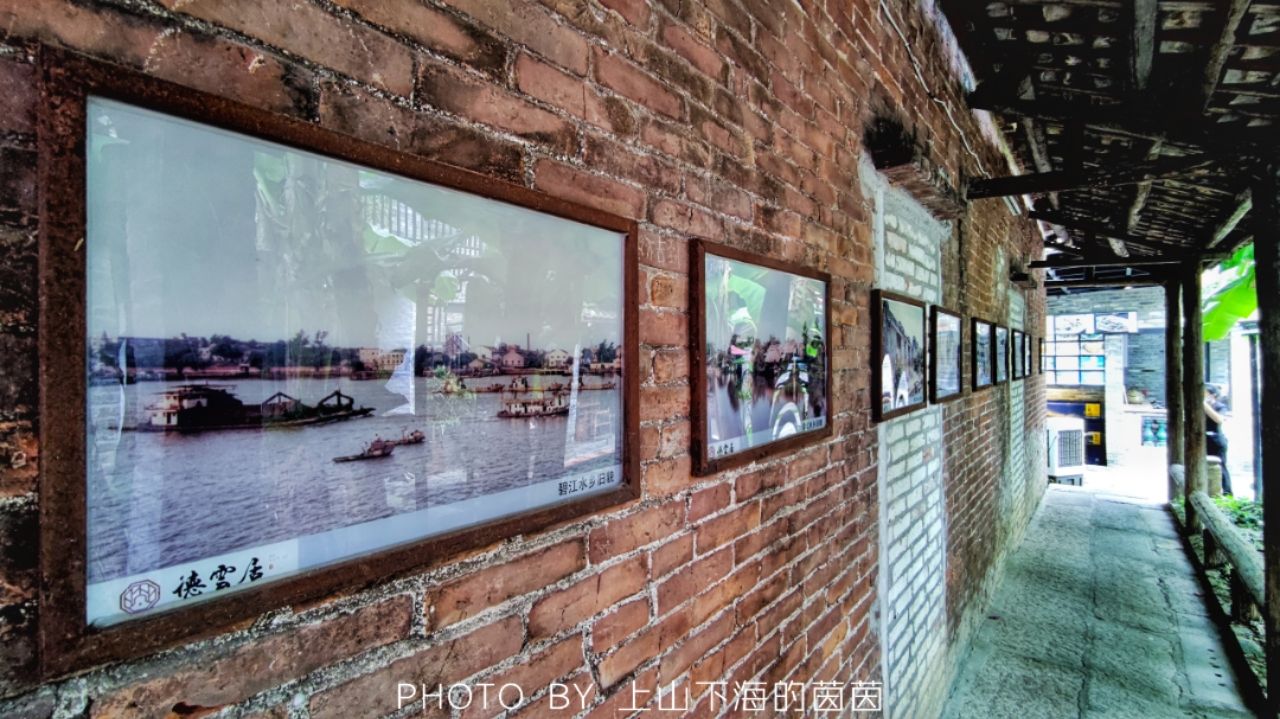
(912, 575)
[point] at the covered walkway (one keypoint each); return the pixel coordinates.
(1099, 615)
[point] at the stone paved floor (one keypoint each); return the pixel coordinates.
(1099, 615)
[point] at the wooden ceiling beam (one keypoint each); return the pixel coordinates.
(1067, 222)
(1130, 174)
(1099, 283)
(1141, 192)
(1220, 51)
(1243, 204)
(1131, 120)
(1101, 262)
(1145, 15)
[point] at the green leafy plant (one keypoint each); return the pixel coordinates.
(1244, 512)
(1236, 298)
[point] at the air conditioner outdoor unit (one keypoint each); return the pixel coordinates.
(1066, 449)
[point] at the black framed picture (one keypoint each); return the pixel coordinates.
(981, 344)
(762, 377)
(1000, 353)
(946, 355)
(1027, 355)
(898, 350)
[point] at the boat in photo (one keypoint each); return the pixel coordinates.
(533, 403)
(205, 407)
(414, 437)
(377, 449)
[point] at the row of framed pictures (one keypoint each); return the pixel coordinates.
(902, 349)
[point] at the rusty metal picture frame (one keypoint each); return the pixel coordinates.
(66, 642)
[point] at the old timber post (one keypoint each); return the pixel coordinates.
(1193, 391)
(1266, 249)
(1173, 376)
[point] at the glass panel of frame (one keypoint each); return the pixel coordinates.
(295, 360)
(765, 367)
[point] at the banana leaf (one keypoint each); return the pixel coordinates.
(1235, 300)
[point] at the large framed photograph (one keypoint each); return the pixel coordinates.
(288, 362)
(898, 347)
(946, 356)
(1017, 357)
(981, 341)
(762, 365)
(1000, 353)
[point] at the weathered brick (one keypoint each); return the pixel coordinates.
(670, 365)
(630, 81)
(437, 30)
(375, 694)
(375, 120)
(602, 193)
(471, 594)
(700, 575)
(17, 97)
(611, 629)
(529, 24)
(314, 34)
(647, 526)
(215, 682)
(663, 328)
(566, 92)
(563, 609)
(482, 102)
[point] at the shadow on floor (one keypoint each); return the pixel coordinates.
(1099, 615)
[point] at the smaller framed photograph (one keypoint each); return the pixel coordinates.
(1016, 368)
(1042, 355)
(1027, 353)
(981, 344)
(761, 363)
(946, 356)
(1000, 354)
(898, 348)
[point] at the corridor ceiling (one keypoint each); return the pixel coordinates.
(1136, 121)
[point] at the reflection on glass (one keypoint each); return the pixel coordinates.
(949, 351)
(766, 355)
(294, 360)
(1093, 378)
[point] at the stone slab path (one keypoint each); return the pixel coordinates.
(1099, 614)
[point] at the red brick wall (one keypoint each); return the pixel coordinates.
(736, 120)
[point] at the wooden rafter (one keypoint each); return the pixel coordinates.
(1221, 50)
(1056, 263)
(1069, 223)
(1145, 15)
(1130, 174)
(1242, 206)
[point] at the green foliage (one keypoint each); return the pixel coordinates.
(1245, 513)
(1236, 299)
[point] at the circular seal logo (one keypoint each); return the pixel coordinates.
(139, 596)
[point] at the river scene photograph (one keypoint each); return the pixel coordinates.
(293, 361)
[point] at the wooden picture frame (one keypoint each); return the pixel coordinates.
(798, 368)
(67, 641)
(939, 315)
(911, 340)
(982, 353)
(1000, 339)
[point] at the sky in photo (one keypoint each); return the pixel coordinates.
(196, 230)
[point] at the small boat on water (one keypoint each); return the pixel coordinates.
(518, 403)
(414, 437)
(377, 449)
